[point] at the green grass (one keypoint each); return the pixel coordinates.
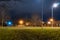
(29, 34)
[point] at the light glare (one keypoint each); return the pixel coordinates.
(49, 22)
(55, 5)
(21, 22)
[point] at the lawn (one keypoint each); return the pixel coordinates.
(30, 33)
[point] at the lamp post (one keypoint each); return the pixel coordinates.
(42, 12)
(55, 5)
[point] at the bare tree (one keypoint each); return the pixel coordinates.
(36, 20)
(4, 13)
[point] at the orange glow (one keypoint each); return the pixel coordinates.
(27, 23)
(49, 22)
(21, 22)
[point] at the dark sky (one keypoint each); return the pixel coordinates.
(23, 8)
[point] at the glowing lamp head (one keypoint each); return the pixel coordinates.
(49, 22)
(21, 22)
(9, 23)
(55, 5)
(27, 24)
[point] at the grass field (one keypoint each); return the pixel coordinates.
(30, 33)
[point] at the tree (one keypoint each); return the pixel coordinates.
(36, 20)
(4, 13)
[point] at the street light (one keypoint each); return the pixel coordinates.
(55, 5)
(27, 23)
(49, 22)
(42, 11)
(9, 23)
(21, 22)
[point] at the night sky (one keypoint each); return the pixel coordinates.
(25, 8)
